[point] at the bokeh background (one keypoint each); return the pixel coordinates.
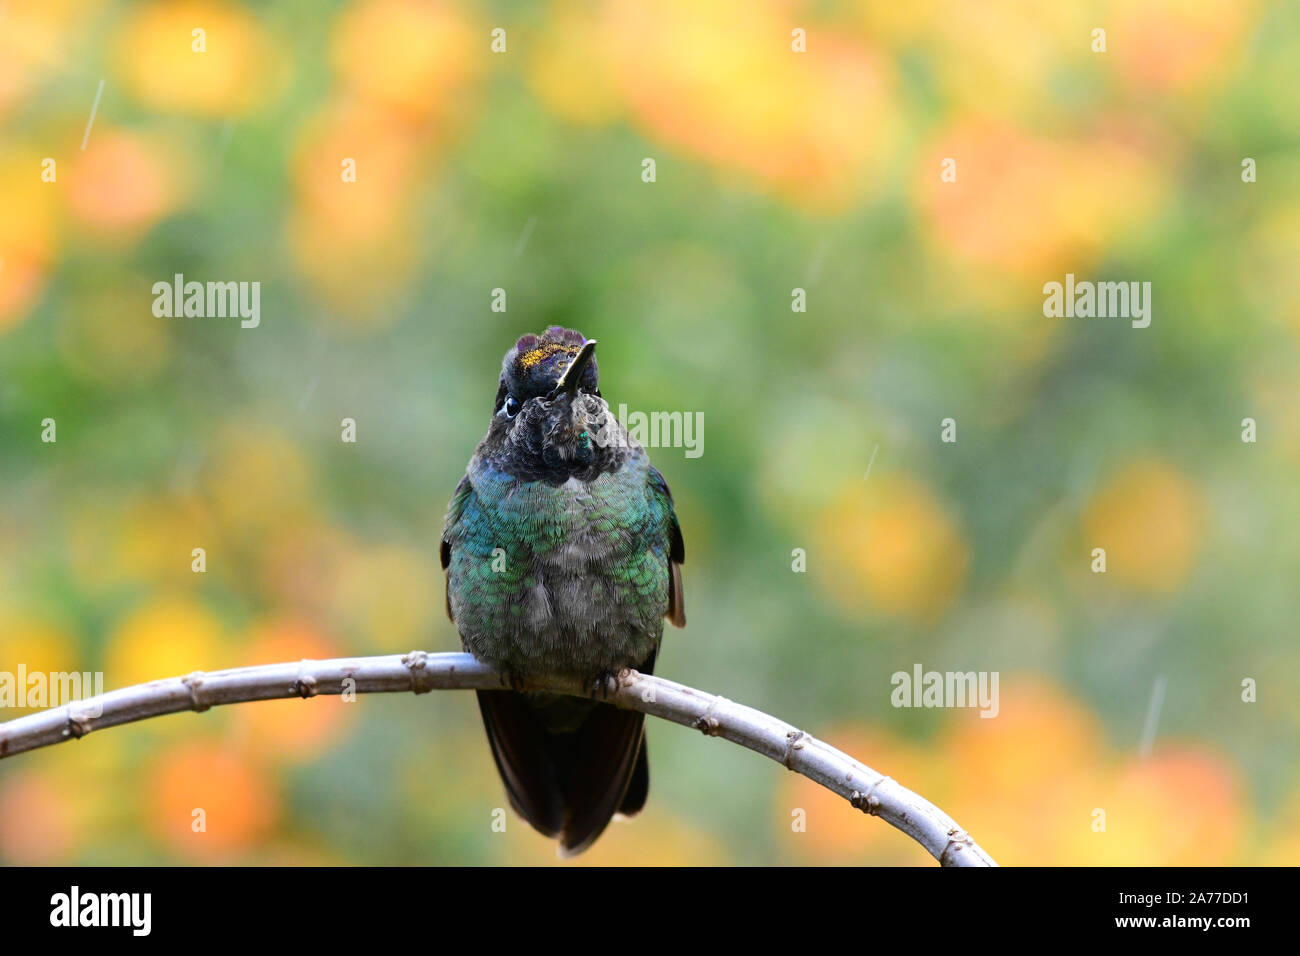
(775, 170)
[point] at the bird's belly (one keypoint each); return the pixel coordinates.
(582, 591)
(568, 619)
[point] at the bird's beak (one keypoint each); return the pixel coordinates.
(568, 383)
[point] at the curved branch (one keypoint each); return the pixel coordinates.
(867, 790)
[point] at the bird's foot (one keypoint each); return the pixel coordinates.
(510, 679)
(606, 684)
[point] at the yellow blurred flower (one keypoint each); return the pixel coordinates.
(990, 58)
(207, 802)
(1275, 405)
(38, 37)
(389, 596)
(168, 638)
(890, 545)
(144, 538)
(1278, 840)
(415, 57)
(1148, 517)
(896, 25)
(719, 80)
(102, 340)
(1150, 820)
(571, 66)
(358, 279)
(92, 527)
(255, 480)
(37, 646)
(158, 536)
(27, 233)
(1267, 276)
(226, 70)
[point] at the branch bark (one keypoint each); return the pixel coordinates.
(866, 789)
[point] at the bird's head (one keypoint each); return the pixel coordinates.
(549, 413)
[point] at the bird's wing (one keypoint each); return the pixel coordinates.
(521, 745)
(676, 612)
(449, 528)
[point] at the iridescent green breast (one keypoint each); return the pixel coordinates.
(567, 578)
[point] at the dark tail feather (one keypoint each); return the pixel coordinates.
(609, 744)
(567, 773)
(523, 757)
(615, 740)
(639, 788)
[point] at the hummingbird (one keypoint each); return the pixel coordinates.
(563, 557)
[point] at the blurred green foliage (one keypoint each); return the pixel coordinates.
(775, 170)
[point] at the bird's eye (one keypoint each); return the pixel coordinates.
(512, 407)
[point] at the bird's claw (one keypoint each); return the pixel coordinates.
(606, 684)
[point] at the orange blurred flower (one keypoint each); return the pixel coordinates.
(208, 803)
(1036, 785)
(1029, 204)
(1150, 819)
(834, 832)
(351, 230)
(719, 80)
(1039, 732)
(385, 156)
(1178, 46)
(38, 821)
(297, 729)
(125, 182)
(1027, 779)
